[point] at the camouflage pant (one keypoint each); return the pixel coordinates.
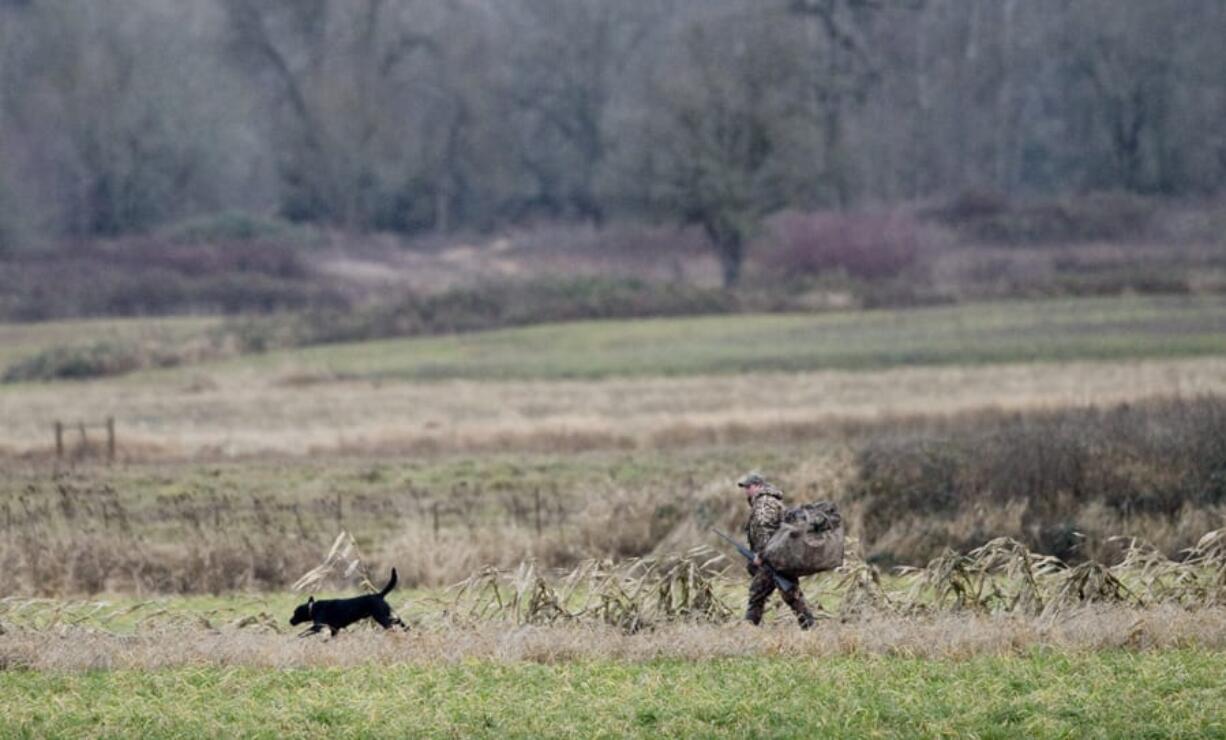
(760, 589)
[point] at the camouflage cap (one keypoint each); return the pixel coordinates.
(750, 479)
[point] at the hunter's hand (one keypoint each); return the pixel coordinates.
(757, 561)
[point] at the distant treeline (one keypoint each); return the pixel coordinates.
(417, 116)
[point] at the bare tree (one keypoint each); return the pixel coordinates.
(117, 116)
(721, 158)
(571, 58)
(344, 98)
(412, 115)
(845, 69)
(1126, 59)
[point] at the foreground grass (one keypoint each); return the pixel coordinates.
(1172, 693)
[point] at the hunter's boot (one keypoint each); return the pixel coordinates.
(806, 619)
(796, 600)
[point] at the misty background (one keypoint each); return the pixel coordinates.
(733, 122)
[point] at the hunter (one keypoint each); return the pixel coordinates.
(766, 512)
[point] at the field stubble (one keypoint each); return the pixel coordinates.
(1000, 599)
(246, 415)
(639, 384)
(1063, 482)
(939, 637)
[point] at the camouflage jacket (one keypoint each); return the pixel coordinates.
(766, 513)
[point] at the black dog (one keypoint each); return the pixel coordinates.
(337, 614)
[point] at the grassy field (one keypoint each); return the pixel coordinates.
(1130, 327)
(646, 384)
(1109, 694)
(567, 443)
(1065, 482)
(1097, 329)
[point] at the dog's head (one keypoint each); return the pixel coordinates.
(303, 612)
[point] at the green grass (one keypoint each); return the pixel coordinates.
(1113, 328)
(18, 341)
(1093, 329)
(1111, 694)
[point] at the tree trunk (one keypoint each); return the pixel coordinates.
(729, 246)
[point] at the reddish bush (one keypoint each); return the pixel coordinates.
(863, 245)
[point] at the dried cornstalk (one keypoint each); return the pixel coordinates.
(343, 558)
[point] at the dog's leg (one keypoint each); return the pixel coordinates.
(313, 629)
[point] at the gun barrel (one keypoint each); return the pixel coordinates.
(783, 583)
(745, 551)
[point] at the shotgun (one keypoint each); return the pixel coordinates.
(786, 585)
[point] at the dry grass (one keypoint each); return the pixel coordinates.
(249, 413)
(1000, 577)
(675, 609)
(90, 563)
(87, 535)
(945, 636)
(1062, 482)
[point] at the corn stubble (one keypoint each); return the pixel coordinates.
(997, 599)
(630, 596)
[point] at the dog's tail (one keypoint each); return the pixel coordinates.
(390, 584)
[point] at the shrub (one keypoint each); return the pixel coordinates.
(1072, 470)
(112, 357)
(220, 258)
(970, 205)
(1094, 217)
(867, 246)
(237, 226)
(75, 363)
(489, 306)
(151, 277)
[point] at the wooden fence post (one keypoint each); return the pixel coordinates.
(537, 496)
(110, 439)
(59, 439)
